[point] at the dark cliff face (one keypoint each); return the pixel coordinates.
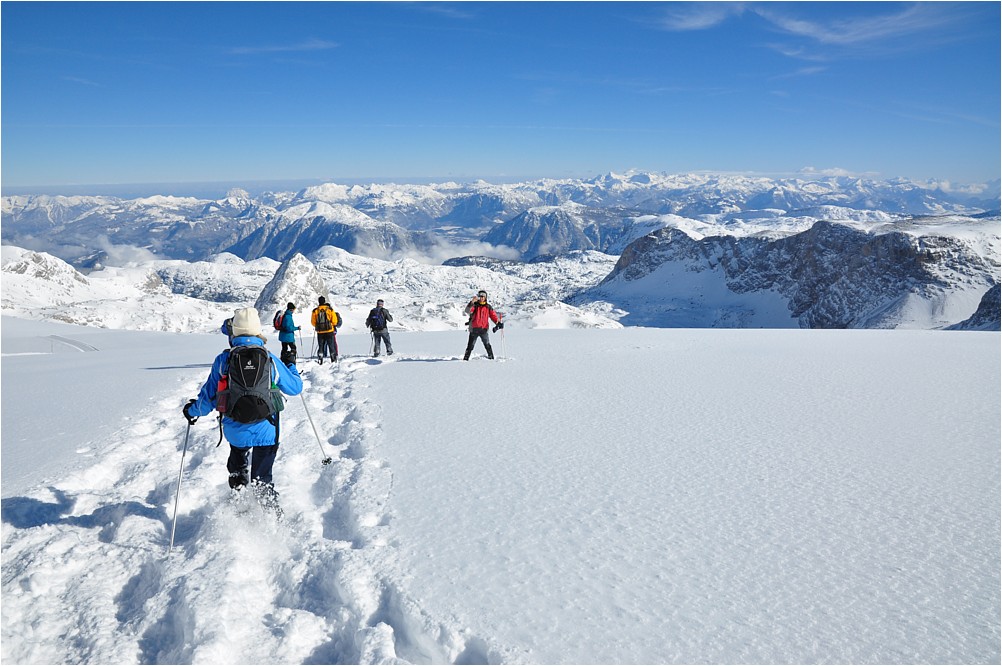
(280, 242)
(539, 232)
(832, 276)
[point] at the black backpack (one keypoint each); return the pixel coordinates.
(246, 393)
(377, 319)
(323, 321)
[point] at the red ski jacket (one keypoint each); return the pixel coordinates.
(481, 314)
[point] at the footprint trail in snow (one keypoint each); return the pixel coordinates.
(87, 576)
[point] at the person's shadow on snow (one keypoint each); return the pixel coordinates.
(27, 512)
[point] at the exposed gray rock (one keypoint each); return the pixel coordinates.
(988, 316)
(831, 276)
(296, 281)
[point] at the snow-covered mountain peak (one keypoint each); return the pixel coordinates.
(163, 201)
(330, 192)
(39, 266)
(296, 281)
(226, 258)
(338, 212)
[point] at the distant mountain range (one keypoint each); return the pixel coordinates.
(520, 220)
(632, 249)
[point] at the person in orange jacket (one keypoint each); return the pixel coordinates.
(325, 322)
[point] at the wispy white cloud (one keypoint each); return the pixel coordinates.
(838, 172)
(643, 86)
(799, 52)
(943, 115)
(82, 81)
(828, 38)
(921, 25)
(912, 20)
(446, 10)
(699, 15)
(803, 71)
(909, 110)
(305, 46)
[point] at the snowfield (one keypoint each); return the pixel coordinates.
(596, 496)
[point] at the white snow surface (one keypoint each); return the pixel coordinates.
(619, 495)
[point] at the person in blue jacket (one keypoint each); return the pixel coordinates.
(253, 446)
(287, 335)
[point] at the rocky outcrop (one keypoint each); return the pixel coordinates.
(830, 276)
(988, 316)
(297, 281)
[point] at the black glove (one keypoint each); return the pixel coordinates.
(187, 414)
(288, 357)
(499, 326)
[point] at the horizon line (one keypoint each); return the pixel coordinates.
(806, 173)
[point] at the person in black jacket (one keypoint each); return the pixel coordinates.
(377, 321)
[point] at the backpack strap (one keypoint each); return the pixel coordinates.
(275, 420)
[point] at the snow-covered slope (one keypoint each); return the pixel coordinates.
(175, 296)
(225, 278)
(622, 496)
(39, 286)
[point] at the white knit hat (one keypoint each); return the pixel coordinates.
(247, 322)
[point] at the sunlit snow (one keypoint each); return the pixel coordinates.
(593, 496)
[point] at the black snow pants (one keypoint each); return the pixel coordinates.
(259, 459)
(480, 333)
(327, 343)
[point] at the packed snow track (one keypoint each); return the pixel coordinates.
(239, 586)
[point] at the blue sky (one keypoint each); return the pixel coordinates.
(192, 92)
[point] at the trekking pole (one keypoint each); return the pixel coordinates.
(326, 459)
(177, 495)
(504, 351)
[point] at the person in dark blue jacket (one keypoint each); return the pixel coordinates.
(377, 321)
(253, 446)
(287, 335)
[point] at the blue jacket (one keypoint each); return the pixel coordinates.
(289, 328)
(243, 435)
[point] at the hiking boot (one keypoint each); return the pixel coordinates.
(267, 496)
(320, 360)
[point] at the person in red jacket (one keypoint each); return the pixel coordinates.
(481, 315)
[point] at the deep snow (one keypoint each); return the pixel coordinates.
(598, 496)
